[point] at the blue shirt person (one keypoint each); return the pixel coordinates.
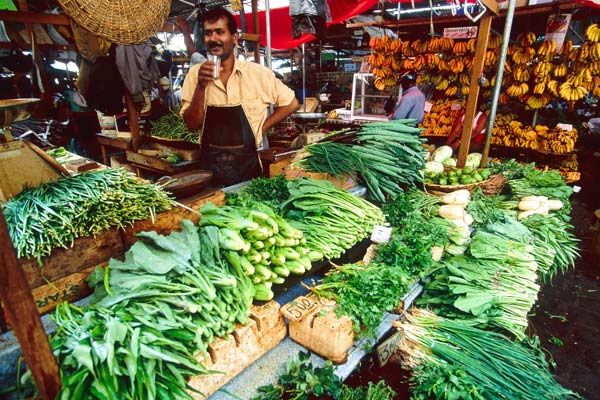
(412, 102)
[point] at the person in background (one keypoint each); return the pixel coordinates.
(412, 102)
(231, 112)
(477, 132)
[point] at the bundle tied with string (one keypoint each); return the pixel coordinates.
(120, 21)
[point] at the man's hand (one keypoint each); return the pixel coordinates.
(205, 74)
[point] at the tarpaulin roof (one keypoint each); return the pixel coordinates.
(281, 22)
(590, 3)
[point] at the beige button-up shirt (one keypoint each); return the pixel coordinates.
(253, 86)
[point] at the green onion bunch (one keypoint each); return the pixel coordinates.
(54, 214)
(172, 126)
(332, 220)
(387, 156)
(498, 367)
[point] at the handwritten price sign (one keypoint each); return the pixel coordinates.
(387, 349)
(299, 308)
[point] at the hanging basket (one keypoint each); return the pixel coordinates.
(120, 21)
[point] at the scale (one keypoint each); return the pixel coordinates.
(22, 164)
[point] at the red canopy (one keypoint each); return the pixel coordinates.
(281, 22)
(590, 3)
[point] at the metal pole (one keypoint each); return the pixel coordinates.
(304, 76)
(268, 32)
(510, 13)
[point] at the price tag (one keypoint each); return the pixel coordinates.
(387, 349)
(428, 106)
(566, 127)
(381, 234)
(455, 106)
(577, 189)
(299, 308)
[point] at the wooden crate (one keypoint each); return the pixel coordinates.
(322, 332)
(157, 164)
(70, 288)
(163, 224)
(213, 195)
(284, 167)
(85, 252)
(231, 355)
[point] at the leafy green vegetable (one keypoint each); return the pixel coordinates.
(302, 381)
(498, 367)
(172, 126)
(431, 381)
(270, 191)
(56, 213)
(365, 292)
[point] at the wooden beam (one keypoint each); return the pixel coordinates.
(251, 37)
(528, 10)
(483, 36)
(24, 319)
(22, 45)
(255, 30)
(134, 127)
(27, 17)
(492, 6)
(37, 58)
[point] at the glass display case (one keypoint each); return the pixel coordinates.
(367, 102)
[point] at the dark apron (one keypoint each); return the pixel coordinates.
(228, 146)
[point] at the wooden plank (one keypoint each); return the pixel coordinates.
(22, 315)
(492, 6)
(232, 354)
(255, 28)
(27, 17)
(250, 37)
(209, 194)
(85, 252)
(164, 223)
(483, 36)
(134, 126)
(70, 288)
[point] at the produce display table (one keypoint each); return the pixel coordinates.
(121, 141)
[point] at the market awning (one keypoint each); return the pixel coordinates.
(590, 3)
(281, 22)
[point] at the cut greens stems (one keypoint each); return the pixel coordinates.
(387, 156)
(496, 367)
(150, 315)
(332, 220)
(56, 213)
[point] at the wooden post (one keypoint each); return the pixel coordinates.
(134, 127)
(24, 319)
(255, 30)
(471, 108)
(37, 59)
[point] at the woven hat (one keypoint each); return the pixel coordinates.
(120, 21)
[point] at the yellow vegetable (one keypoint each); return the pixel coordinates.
(451, 212)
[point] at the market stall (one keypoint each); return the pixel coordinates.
(365, 239)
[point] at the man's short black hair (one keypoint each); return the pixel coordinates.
(216, 14)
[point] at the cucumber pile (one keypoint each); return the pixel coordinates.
(453, 177)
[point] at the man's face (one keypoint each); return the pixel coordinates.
(219, 41)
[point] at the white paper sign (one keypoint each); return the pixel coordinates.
(463, 32)
(428, 106)
(566, 127)
(455, 106)
(577, 189)
(381, 234)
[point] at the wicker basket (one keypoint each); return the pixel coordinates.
(443, 189)
(494, 184)
(120, 21)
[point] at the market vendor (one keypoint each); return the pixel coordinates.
(231, 112)
(477, 131)
(412, 102)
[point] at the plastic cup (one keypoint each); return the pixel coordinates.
(216, 60)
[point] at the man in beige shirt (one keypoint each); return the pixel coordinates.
(231, 112)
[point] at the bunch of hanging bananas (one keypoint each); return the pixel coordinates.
(523, 55)
(439, 121)
(526, 39)
(456, 65)
(541, 138)
(572, 89)
(593, 33)
(521, 73)
(539, 100)
(561, 70)
(517, 90)
(542, 69)
(451, 91)
(561, 140)
(570, 163)
(460, 48)
(547, 49)
(491, 58)
(494, 42)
